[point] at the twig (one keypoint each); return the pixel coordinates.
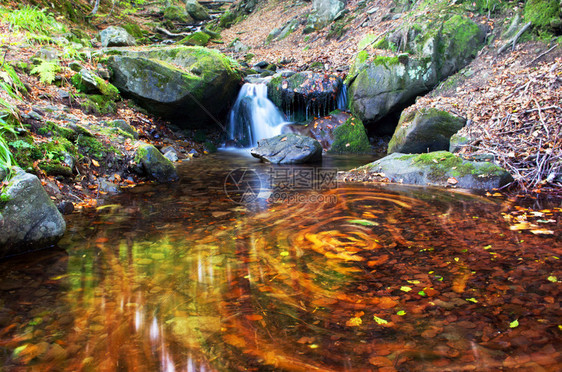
(513, 41)
(543, 108)
(540, 55)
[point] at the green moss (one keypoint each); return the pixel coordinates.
(227, 19)
(55, 168)
(541, 13)
(350, 137)
(92, 147)
(175, 13)
(362, 56)
(462, 35)
(96, 104)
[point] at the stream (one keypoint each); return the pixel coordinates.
(191, 277)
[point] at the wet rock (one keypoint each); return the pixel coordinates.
(155, 164)
(115, 36)
(29, 218)
(65, 207)
(440, 168)
(424, 130)
(305, 94)
(288, 149)
(107, 186)
(170, 153)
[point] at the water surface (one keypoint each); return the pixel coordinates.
(180, 278)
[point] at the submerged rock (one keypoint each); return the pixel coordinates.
(155, 164)
(440, 168)
(288, 149)
(28, 217)
(193, 85)
(424, 130)
(115, 36)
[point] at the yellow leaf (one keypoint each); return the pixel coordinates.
(95, 162)
(380, 321)
(354, 322)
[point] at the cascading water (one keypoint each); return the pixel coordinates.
(341, 100)
(254, 116)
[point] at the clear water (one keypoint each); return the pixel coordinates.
(180, 278)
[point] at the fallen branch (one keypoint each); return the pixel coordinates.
(171, 34)
(540, 55)
(513, 40)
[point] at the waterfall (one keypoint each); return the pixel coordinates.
(342, 98)
(253, 116)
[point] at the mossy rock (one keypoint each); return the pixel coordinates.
(198, 38)
(174, 82)
(89, 83)
(350, 137)
(134, 30)
(440, 168)
(176, 13)
(98, 105)
(424, 130)
(227, 20)
(155, 165)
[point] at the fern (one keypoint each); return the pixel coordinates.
(47, 71)
(7, 160)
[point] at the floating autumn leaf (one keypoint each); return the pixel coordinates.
(354, 322)
(364, 222)
(542, 232)
(387, 303)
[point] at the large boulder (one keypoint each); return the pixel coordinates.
(435, 48)
(29, 219)
(288, 149)
(305, 94)
(115, 36)
(193, 85)
(324, 12)
(439, 168)
(197, 11)
(424, 130)
(154, 164)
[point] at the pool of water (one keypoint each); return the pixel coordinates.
(190, 277)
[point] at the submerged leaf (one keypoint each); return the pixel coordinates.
(364, 222)
(405, 288)
(514, 324)
(380, 321)
(552, 279)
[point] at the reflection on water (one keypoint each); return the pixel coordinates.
(179, 278)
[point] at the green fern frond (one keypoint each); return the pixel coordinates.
(47, 71)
